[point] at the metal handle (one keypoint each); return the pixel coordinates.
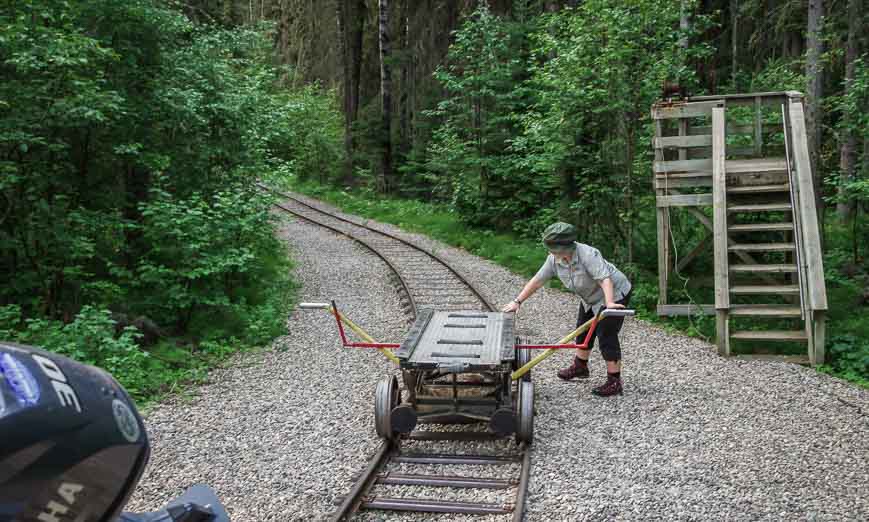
(314, 306)
(617, 312)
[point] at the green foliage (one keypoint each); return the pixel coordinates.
(853, 107)
(849, 356)
(89, 338)
(777, 75)
(301, 132)
(545, 117)
(469, 158)
(130, 143)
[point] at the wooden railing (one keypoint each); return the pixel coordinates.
(807, 234)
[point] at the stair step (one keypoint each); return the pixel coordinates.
(757, 189)
(756, 165)
(761, 227)
(764, 269)
(761, 247)
(765, 289)
(764, 310)
(761, 207)
(770, 335)
(792, 359)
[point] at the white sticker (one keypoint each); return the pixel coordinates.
(65, 394)
(127, 423)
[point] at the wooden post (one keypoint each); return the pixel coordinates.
(758, 126)
(719, 222)
(663, 225)
(722, 333)
(819, 332)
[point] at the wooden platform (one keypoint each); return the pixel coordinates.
(763, 228)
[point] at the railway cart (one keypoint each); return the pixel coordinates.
(459, 366)
(456, 366)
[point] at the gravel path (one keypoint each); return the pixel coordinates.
(281, 433)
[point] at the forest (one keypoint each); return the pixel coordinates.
(133, 133)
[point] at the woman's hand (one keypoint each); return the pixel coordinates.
(614, 305)
(512, 306)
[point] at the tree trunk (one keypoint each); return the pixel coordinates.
(848, 152)
(403, 124)
(814, 93)
(385, 99)
(283, 36)
(734, 39)
(351, 22)
(629, 171)
(227, 12)
(684, 24)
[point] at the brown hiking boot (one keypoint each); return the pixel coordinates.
(577, 370)
(612, 386)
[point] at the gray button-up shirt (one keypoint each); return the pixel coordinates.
(582, 275)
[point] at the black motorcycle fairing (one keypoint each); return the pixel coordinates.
(198, 504)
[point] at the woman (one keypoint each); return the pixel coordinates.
(599, 284)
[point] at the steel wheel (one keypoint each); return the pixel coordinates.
(385, 398)
(523, 357)
(525, 412)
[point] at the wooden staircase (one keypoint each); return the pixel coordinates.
(767, 263)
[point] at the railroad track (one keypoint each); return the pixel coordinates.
(425, 280)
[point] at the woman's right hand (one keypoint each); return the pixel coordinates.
(512, 306)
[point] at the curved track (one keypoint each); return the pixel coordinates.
(426, 281)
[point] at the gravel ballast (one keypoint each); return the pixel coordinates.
(280, 434)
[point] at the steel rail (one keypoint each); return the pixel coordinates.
(522, 489)
(476, 291)
(373, 250)
(356, 499)
(351, 501)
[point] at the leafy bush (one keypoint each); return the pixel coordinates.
(89, 338)
(849, 357)
(134, 139)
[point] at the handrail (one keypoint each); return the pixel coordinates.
(719, 222)
(795, 215)
(744, 96)
(810, 236)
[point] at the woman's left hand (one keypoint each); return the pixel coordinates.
(614, 305)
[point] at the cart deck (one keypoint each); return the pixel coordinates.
(459, 341)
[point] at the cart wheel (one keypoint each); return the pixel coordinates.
(525, 412)
(523, 357)
(386, 397)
